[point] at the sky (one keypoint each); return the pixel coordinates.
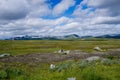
(59, 17)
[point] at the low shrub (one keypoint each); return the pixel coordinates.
(3, 74)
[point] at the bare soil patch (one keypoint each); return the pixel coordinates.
(52, 57)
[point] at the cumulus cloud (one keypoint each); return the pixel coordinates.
(103, 11)
(63, 6)
(17, 9)
(106, 20)
(13, 9)
(39, 8)
(112, 6)
(99, 17)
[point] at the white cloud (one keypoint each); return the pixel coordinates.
(13, 9)
(103, 8)
(112, 6)
(17, 9)
(106, 20)
(39, 8)
(63, 6)
(101, 16)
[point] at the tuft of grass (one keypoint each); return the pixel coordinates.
(110, 57)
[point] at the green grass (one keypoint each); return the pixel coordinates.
(46, 46)
(91, 71)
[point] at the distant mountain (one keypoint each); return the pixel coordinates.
(71, 36)
(116, 36)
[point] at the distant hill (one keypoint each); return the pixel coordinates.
(87, 37)
(115, 36)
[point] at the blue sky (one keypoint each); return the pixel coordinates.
(59, 17)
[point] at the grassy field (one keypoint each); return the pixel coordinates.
(97, 70)
(47, 46)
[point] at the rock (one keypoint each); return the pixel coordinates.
(52, 66)
(66, 52)
(63, 52)
(97, 48)
(4, 55)
(60, 51)
(71, 78)
(93, 58)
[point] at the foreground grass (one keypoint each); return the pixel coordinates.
(46, 46)
(87, 71)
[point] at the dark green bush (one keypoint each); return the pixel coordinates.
(110, 57)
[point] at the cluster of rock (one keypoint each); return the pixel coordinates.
(63, 51)
(4, 55)
(93, 58)
(97, 48)
(72, 78)
(52, 66)
(66, 52)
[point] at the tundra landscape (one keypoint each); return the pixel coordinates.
(59, 39)
(32, 59)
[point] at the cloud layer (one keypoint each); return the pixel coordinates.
(38, 17)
